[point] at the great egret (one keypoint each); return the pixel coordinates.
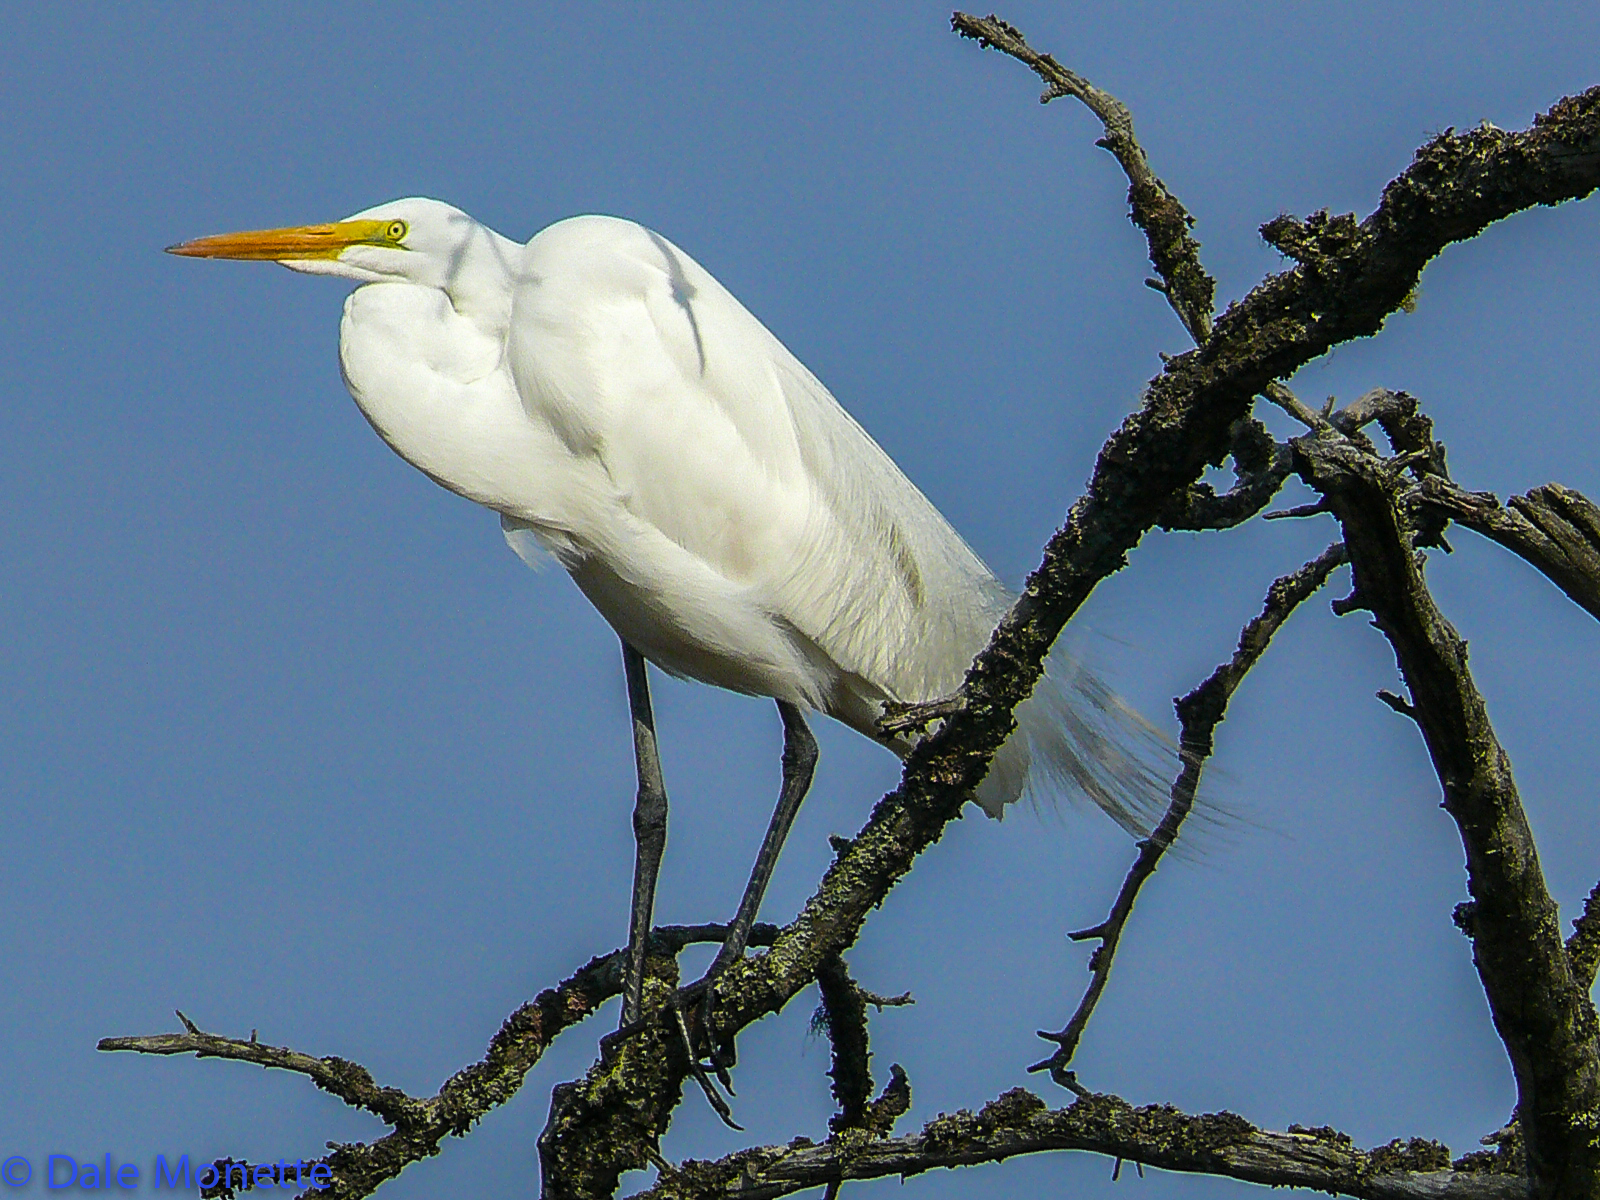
(622, 411)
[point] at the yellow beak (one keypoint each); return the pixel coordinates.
(297, 242)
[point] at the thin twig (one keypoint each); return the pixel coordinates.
(1200, 712)
(1166, 223)
(1174, 252)
(882, 1002)
(349, 1081)
(1279, 393)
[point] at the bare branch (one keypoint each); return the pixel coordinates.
(1200, 712)
(1260, 466)
(1555, 529)
(1159, 1136)
(349, 1081)
(1542, 1014)
(1188, 287)
(882, 1002)
(844, 1014)
(1285, 399)
(1166, 223)
(421, 1125)
(1583, 947)
(906, 717)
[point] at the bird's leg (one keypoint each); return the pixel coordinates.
(799, 763)
(649, 830)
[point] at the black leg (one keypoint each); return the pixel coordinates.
(649, 830)
(799, 762)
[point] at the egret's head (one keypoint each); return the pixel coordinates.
(415, 241)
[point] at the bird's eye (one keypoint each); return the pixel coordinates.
(396, 231)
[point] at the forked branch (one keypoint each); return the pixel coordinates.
(1540, 1007)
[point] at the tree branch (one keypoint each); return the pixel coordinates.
(1200, 712)
(1279, 394)
(1555, 529)
(1260, 467)
(1165, 222)
(1542, 1014)
(1583, 947)
(844, 1015)
(420, 1125)
(349, 1081)
(1158, 1136)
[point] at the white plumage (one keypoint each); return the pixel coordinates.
(621, 410)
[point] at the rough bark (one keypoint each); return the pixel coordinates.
(1541, 1008)
(1554, 528)
(1157, 1135)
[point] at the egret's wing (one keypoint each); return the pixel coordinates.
(718, 438)
(884, 580)
(746, 502)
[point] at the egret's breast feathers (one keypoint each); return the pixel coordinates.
(438, 391)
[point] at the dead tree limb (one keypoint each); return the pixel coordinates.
(421, 1125)
(1200, 712)
(843, 1015)
(1553, 528)
(1158, 1136)
(1174, 253)
(1541, 1010)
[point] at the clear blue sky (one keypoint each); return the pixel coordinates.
(290, 741)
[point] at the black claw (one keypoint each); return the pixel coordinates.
(713, 1097)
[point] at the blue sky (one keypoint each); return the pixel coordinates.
(291, 742)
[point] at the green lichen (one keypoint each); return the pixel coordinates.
(1416, 1154)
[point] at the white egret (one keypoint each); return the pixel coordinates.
(622, 411)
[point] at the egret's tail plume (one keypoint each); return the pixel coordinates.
(1076, 737)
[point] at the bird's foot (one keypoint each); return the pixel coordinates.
(699, 1042)
(899, 718)
(707, 1056)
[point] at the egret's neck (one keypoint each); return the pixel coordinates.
(426, 367)
(480, 278)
